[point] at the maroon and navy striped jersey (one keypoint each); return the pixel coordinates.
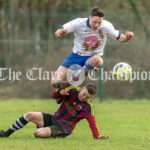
(71, 111)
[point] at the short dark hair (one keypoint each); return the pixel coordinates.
(96, 11)
(91, 87)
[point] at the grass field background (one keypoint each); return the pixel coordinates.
(126, 122)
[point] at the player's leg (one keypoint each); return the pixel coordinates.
(92, 62)
(53, 131)
(43, 133)
(95, 61)
(51, 128)
(59, 78)
(35, 117)
(18, 124)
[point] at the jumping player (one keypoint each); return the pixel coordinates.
(90, 38)
(76, 105)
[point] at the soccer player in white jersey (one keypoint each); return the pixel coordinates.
(90, 38)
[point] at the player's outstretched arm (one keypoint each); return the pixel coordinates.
(126, 37)
(60, 32)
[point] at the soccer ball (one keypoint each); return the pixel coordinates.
(122, 71)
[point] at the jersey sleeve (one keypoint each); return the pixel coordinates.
(71, 26)
(56, 94)
(111, 31)
(93, 125)
(89, 115)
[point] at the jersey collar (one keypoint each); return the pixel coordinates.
(87, 23)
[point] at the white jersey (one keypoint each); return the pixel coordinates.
(88, 42)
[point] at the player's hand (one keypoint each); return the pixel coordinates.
(64, 92)
(129, 35)
(61, 32)
(103, 137)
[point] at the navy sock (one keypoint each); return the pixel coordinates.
(18, 124)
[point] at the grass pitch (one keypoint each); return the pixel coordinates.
(126, 122)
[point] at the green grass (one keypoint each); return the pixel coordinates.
(127, 123)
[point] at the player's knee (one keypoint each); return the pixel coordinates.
(43, 133)
(100, 63)
(97, 61)
(29, 116)
(37, 133)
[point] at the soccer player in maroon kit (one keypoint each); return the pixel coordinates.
(76, 105)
